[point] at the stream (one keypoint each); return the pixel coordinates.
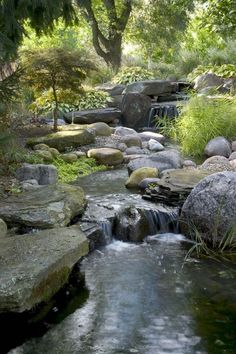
(144, 298)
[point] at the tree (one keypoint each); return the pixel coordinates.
(41, 15)
(55, 68)
(108, 20)
(221, 15)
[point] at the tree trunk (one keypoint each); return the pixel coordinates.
(55, 111)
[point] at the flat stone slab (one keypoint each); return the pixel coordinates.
(152, 87)
(35, 266)
(106, 115)
(45, 207)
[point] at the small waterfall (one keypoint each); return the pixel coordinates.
(162, 110)
(163, 222)
(107, 231)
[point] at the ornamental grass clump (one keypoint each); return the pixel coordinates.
(202, 119)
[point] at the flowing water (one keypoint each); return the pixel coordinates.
(144, 299)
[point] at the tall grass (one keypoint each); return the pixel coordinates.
(203, 119)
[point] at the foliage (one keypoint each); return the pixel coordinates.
(165, 125)
(203, 119)
(55, 68)
(69, 101)
(216, 249)
(226, 70)
(41, 14)
(132, 74)
(69, 172)
(222, 16)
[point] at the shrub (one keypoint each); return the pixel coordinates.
(203, 119)
(132, 74)
(225, 70)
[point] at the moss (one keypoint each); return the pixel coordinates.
(69, 172)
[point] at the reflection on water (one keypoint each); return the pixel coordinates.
(142, 300)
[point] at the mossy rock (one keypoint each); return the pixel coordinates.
(70, 157)
(43, 147)
(46, 155)
(64, 139)
(138, 175)
(54, 152)
(101, 129)
(107, 156)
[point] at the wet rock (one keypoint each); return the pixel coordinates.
(163, 160)
(101, 129)
(145, 183)
(211, 206)
(151, 87)
(216, 164)
(106, 115)
(131, 140)
(138, 175)
(46, 207)
(3, 229)
(107, 156)
(146, 136)
(35, 266)
(43, 174)
(218, 146)
(94, 234)
(64, 139)
(135, 109)
(155, 146)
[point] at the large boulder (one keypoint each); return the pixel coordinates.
(163, 160)
(135, 108)
(152, 87)
(64, 139)
(106, 115)
(211, 207)
(208, 80)
(218, 146)
(138, 175)
(107, 156)
(43, 174)
(35, 266)
(45, 207)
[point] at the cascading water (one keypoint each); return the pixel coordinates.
(163, 222)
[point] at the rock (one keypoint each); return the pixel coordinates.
(211, 207)
(208, 80)
(154, 145)
(175, 185)
(189, 164)
(3, 229)
(112, 89)
(232, 156)
(107, 156)
(146, 136)
(216, 164)
(106, 115)
(35, 266)
(230, 84)
(29, 185)
(218, 146)
(163, 160)
(45, 155)
(116, 145)
(138, 175)
(43, 147)
(135, 109)
(131, 140)
(122, 131)
(46, 207)
(101, 129)
(94, 234)
(147, 181)
(54, 152)
(135, 150)
(233, 164)
(64, 139)
(133, 223)
(234, 146)
(151, 87)
(43, 174)
(128, 158)
(69, 157)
